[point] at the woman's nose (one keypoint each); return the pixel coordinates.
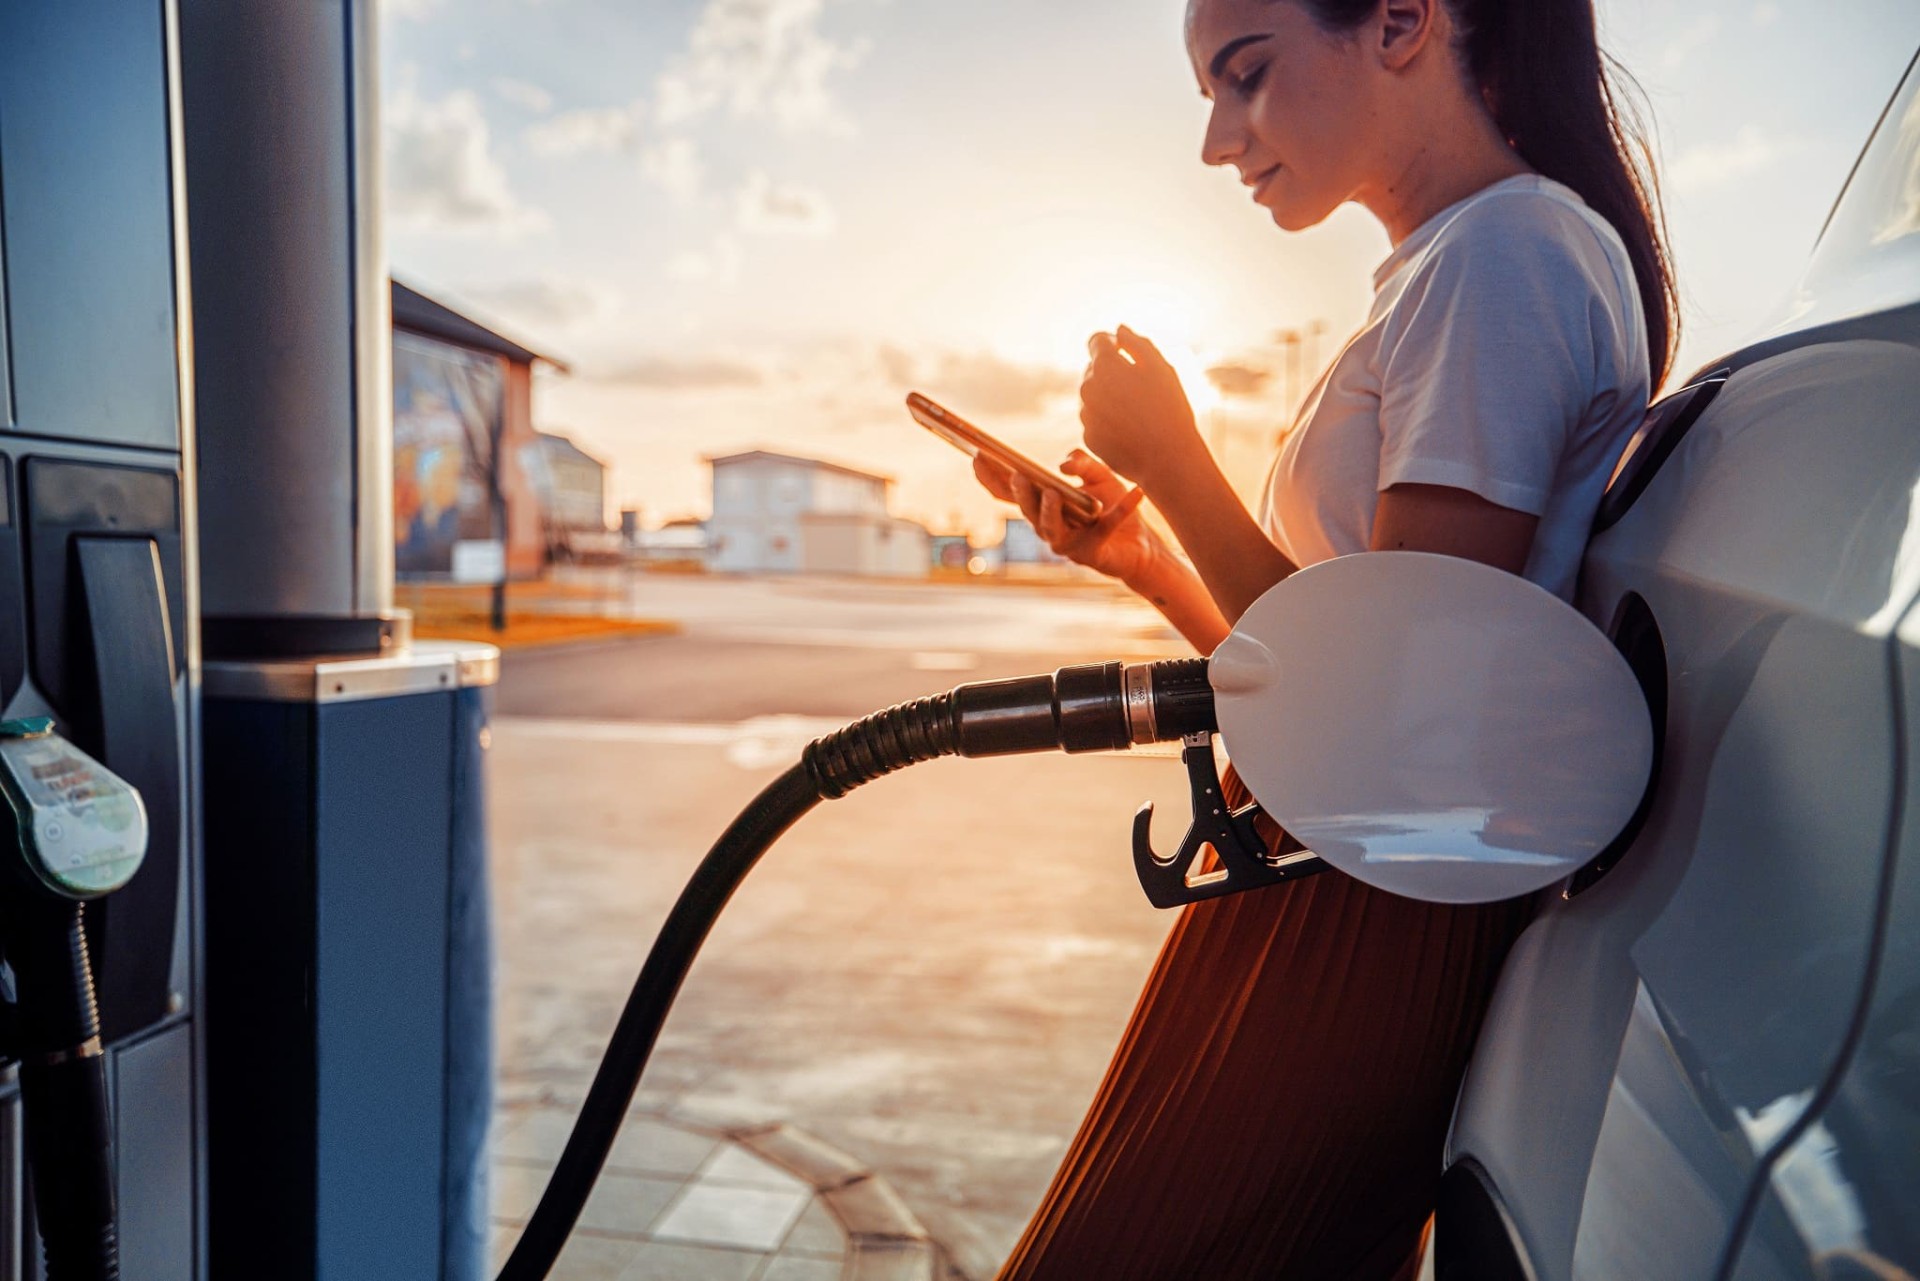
(1222, 141)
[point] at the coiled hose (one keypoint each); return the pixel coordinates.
(63, 1094)
(1088, 708)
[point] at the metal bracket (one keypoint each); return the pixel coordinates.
(1242, 861)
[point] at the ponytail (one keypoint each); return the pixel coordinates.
(1571, 113)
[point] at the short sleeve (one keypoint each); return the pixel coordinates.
(1488, 359)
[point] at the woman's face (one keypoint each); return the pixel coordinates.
(1293, 106)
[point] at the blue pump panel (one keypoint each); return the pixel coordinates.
(87, 231)
(350, 1035)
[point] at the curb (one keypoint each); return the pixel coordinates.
(885, 1242)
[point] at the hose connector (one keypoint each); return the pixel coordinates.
(1092, 707)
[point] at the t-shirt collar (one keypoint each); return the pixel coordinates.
(1410, 248)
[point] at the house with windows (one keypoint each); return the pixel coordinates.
(782, 514)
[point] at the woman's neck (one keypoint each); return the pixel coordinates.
(1442, 164)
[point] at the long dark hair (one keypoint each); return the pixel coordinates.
(1571, 113)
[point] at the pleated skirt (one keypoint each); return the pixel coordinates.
(1278, 1105)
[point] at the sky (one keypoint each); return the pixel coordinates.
(758, 223)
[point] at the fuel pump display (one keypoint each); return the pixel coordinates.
(79, 833)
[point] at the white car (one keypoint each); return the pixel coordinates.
(1703, 1059)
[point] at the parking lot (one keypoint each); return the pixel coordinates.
(929, 974)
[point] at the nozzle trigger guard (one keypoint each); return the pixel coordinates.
(1243, 862)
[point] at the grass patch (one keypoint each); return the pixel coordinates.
(526, 628)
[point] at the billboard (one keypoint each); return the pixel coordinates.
(447, 417)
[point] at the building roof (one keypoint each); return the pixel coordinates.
(413, 310)
(751, 455)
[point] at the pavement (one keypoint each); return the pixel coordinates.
(763, 1203)
(926, 978)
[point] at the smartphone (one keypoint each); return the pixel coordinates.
(1075, 503)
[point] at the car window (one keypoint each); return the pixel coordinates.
(1868, 256)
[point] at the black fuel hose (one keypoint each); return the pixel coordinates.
(63, 1093)
(1098, 707)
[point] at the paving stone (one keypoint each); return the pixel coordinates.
(788, 1267)
(646, 1145)
(741, 1218)
(504, 1239)
(656, 1261)
(517, 1185)
(869, 1208)
(900, 1261)
(588, 1258)
(816, 1232)
(820, 1164)
(537, 1135)
(626, 1204)
(735, 1165)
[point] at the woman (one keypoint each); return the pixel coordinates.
(1278, 1105)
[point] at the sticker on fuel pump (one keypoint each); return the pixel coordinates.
(84, 829)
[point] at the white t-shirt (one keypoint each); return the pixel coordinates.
(1505, 354)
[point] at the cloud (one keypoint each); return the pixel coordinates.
(664, 373)
(719, 264)
(543, 303)
(977, 382)
(520, 93)
(761, 59)
(768, 208)
(441, 173)
(1689, 40)
(1238, 378)
(1705, 167)
(674, 165)
(590, 129)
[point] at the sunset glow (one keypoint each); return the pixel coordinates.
(758, 223)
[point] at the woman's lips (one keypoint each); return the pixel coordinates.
(1258, 182)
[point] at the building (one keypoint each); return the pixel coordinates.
(462, 398)
(779, 514)
(1020, 544)
(573, 493)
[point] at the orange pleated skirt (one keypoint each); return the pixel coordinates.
(1278, 1106)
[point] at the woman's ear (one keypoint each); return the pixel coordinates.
(1405, 28)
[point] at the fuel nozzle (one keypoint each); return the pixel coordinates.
(1095, 707)
(71, 831)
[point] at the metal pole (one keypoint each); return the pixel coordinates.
(292, 331)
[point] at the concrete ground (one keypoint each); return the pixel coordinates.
(928, 975)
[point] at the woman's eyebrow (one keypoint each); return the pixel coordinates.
(1219, 63)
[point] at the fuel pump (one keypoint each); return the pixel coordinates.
(71, 832)
(1428, 725)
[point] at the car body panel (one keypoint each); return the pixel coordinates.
(1707, 1063)
(1650, 1036)
(1840, 1198)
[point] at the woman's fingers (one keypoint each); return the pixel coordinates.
(1088, 469)
(1048, 523)
(1111, 518)
(994, 478)
(1137, 346)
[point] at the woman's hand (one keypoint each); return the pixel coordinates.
(1118, 543)
(1134, 410)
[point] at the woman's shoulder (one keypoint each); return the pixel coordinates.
(1530, 223)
